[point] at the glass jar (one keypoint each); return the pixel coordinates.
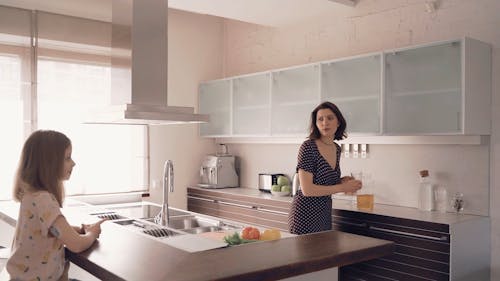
(457, 202)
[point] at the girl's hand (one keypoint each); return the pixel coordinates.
(93, 228)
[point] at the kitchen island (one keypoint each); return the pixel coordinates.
(124, 255)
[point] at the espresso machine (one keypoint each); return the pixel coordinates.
(218, 171)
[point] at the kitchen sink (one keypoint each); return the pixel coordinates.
(142, 210)
(190, 222)
(147, 228)
(197, 224)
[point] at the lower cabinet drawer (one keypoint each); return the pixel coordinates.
(421, 254)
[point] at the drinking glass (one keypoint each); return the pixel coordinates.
(357, 175)
(365, 197)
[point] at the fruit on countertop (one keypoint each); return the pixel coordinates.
(276, 188)
(235, 239)
(250, 233)
(270, 234)
(286, 188)
(282, 180)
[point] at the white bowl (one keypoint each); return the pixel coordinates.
(280, 193)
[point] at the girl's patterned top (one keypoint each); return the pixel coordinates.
(313, 213)
(36, 253)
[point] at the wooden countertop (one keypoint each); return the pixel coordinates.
(124, 255)
(120, 254)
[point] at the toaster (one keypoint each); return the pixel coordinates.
(268, 180)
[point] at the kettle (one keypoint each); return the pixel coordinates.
(295, 184)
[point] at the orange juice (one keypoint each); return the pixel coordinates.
(365, 201)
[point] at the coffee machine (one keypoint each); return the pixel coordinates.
(218, 171)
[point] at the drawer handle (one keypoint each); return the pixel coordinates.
(364, 224)
(271, 211)
(202, 199)
(222, 202)
(234, 204)
(442, 238)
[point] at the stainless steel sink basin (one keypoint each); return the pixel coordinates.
(202, 229)
(190, 222)
(147, 228)
(197, 224)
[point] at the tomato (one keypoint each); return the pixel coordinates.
(250, 233)
(270, 234)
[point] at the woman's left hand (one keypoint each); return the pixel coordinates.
(345, 179)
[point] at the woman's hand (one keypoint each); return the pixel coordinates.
(346, 178)
(351, 185)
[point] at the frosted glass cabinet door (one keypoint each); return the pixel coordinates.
(215, 100)
(354, 86)
(252, 105)
(423, 90)
(295, 93)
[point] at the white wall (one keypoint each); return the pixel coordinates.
(195, 44)
(393, 169)
(371, 26)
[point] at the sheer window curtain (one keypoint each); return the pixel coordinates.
(74, 75)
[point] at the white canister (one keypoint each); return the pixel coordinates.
(441, 199)
(426, 193)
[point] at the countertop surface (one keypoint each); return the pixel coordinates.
(378, 209)
(124, 255)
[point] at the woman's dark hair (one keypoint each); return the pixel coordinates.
(340, 133)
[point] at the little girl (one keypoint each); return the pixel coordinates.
(42, 231)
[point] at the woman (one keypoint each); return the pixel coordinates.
(42, 231)
(319, 172)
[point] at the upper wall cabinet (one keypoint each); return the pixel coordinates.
(354, 85)
(435, 89)
(215, 100)
(294, 94)
(442, 88)
(252, 105)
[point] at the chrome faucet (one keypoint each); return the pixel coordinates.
(163, 217)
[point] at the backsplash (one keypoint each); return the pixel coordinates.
(392, 168)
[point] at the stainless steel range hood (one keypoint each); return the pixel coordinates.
(148, 101)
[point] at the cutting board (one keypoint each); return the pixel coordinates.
(194, 243)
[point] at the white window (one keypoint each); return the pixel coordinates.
(11, 120)
(109, 158)
(73, 75)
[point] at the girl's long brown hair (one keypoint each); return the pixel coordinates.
(41, 164)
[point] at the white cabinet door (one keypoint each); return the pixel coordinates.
(431, 90)
(354, 85)
(215, 100)
(436, 89)
(294, 94)
(252, 105)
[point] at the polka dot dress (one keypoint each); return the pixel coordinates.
(313, 214)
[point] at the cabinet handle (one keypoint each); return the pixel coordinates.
(363, 224)
(235, 204)
(222, 202)
(442, 238)
(202, 199)
(271, 211)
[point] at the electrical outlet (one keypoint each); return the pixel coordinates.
(364, 150)
(346, 150)
(355, 150)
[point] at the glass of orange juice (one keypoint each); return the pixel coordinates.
(365, 197)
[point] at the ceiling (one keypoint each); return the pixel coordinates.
(264, 12)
